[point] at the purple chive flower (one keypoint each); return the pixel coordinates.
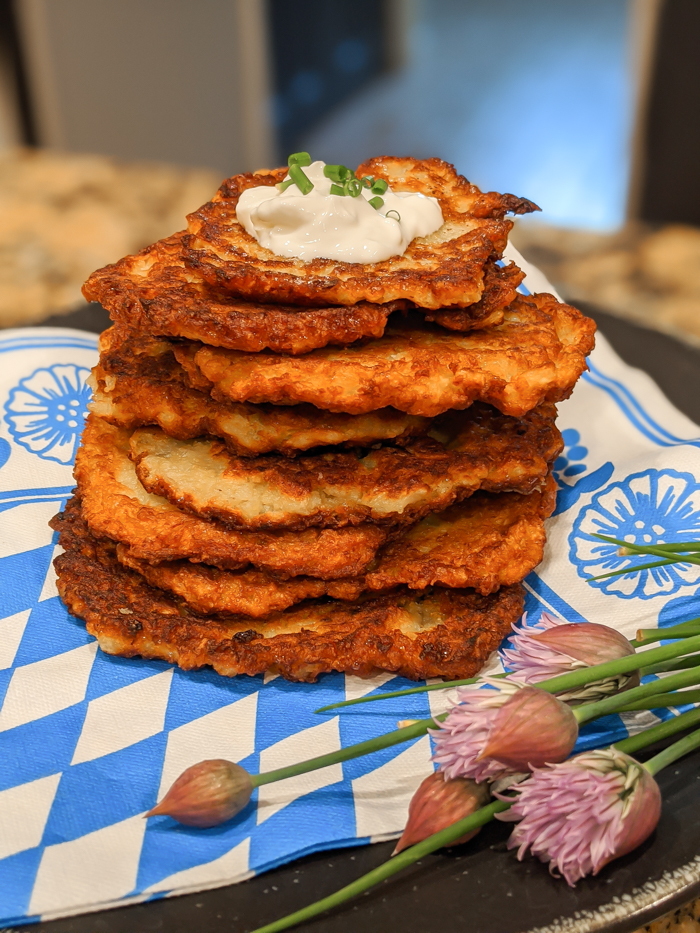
(553, 647)
(206, 794)
(437, 804)
(583, 813)
(514, 728)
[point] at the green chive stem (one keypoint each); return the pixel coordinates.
(390, 867)
(656, 733)
(613, 704)
(671, 546)
(657, 551)
(376, 202)
(351, 751)
(677, 664)
(663, 701)
(645, 637)
(673, 752)
(624, 570)
(577, 678)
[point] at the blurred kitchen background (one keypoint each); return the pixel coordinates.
(117, 117)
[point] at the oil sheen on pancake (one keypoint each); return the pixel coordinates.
(464, 452)
(432, 633)
(443, 270)
(153, 292)
(116, 506)
(535, 355)
(483, 543)
(248, 430)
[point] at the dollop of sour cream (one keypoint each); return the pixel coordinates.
(321, 225)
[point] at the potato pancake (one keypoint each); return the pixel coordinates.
(248, 430)
(463, 452)
(432, 633)
(115, 505)
(442, 270)
(535, 355)
(484, 543)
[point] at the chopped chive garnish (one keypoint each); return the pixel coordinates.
(379, 186)
(376, 203)
(299, 158)
(300, 180)
(333, 172)
(337, 189)
(283, 185)
(398, 216)
(353, 187)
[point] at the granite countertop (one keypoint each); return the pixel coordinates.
(65, 215)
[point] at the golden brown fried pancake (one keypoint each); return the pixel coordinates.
(443, 270)
(500, 289)
(131, 401)
(483, 543)
(154, 293)
(116, 506)
(435, 633)
(464, 451)
(535, 355)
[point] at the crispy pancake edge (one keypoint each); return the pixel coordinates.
(482, 449)
(156, 531)
(536, 355)
(483, 544)
(441, 633)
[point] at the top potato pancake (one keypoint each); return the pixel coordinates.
(442, 270)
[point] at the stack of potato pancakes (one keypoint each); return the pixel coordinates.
(307, 466)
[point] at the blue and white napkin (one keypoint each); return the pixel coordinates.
(88, 742)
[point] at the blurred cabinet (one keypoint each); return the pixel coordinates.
(230, 84)
(173, 80)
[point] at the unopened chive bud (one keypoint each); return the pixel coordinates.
(437, 804)
(207, 794)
